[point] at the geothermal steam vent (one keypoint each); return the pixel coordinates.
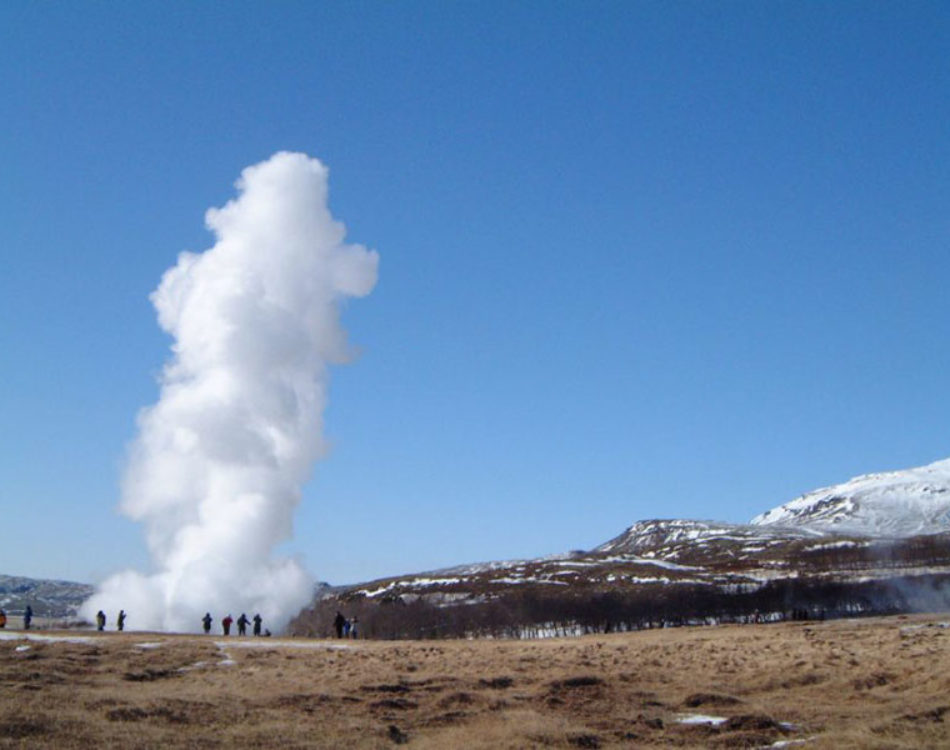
(217, 468)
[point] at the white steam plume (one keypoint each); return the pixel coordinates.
(216, 471)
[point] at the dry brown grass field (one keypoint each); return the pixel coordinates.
(871, 683)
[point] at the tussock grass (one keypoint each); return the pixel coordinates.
(875, 683)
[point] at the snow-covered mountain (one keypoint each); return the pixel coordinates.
(891, 504)
(888, 505)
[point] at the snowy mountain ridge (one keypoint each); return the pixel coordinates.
(901, 503)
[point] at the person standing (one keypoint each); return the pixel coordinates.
(27, 617)
(100, 620)
(338, 624)
(353, 628)
(257, 624)
(121, 620)
(242, 624)
(226, 624)
(3, 619)
(206, 622)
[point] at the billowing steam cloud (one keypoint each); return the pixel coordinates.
(217, 468)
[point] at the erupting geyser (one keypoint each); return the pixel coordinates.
(217, 468)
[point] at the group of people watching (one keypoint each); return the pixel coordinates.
(242, 623)
(27, 617)
(345, 628)
(101, 620)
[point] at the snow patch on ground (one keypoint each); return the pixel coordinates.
(667, 564)
(196, 665)
(531, 580)
(911, 628)
(46, 638)
(713, 721)
(276, 643)
(838, 545)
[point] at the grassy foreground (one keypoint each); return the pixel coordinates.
(874, 683)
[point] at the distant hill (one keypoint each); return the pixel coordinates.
(57, 599)
(878, 543)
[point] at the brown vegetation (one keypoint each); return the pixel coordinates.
(870, 683)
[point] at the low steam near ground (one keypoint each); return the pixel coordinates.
(216, 471)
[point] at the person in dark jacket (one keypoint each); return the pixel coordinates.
(27, 617)
(206, 622)
(242, 623)
(338, 622)
(226, 624)
(100, 620)
(120, 621)
(257, 624)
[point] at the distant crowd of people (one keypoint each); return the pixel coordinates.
(101, 620)
(242, 623)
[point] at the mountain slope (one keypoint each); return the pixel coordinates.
(663, 538)
(890, 504)
(48, 598)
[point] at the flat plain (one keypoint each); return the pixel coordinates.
(867, 683)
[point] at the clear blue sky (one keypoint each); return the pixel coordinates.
(669, 259)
